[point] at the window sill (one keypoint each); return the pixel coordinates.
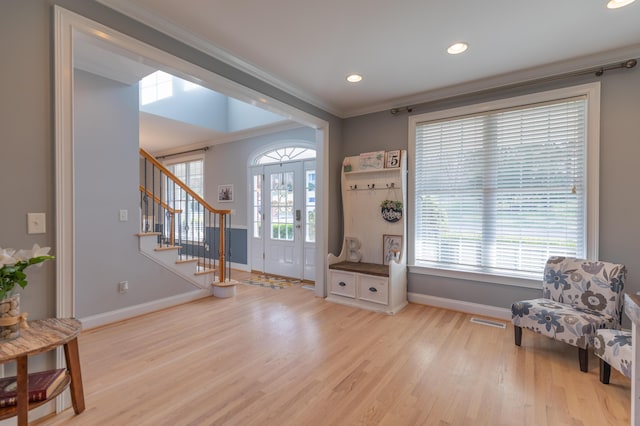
(477, 276)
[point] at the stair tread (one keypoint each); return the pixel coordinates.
(180, 261)
(144, 234)
(205, 271)
(164, 248)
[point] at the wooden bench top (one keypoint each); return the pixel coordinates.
(362, 267)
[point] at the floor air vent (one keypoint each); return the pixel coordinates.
(497, 324)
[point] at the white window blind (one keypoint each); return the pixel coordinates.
(192, 216)
(501, 191)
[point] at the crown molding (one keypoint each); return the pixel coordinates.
(529, 75)
(177, 32)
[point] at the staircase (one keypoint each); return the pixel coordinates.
(179, 229)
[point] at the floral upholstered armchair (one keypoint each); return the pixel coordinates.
(578, 297)
(614, 348)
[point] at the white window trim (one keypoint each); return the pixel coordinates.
(592, 92)
(186, 158)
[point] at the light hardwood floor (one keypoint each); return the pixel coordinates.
(285, 357)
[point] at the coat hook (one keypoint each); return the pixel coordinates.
(371, 186)
(391, 185)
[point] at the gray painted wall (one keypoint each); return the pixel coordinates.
(26, 158)
(619, 195)
(106, 140)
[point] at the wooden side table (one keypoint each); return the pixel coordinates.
(42, 336)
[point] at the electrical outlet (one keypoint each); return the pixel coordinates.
(123, 286)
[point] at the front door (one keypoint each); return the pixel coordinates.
(283, 208)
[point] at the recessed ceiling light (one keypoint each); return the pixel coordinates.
(354, 78)
(614, 4)
(456, 48)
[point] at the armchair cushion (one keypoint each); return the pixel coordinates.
(570, 324)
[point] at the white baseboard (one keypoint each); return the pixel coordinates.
(144, 308)
(461, 306)
(240, 266)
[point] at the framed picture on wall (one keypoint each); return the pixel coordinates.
(225, 193)
(391, 247)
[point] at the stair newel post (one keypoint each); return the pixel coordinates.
(216, 223)
(144, 199)
(208, 240)
(171, 193)
(229, 239)
(161, 210)
(203, 250)
(221, 259)
(153, 201)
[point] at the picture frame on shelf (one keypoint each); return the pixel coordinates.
(391, 248)
(225, 193)
(372, 160)
(392, 159)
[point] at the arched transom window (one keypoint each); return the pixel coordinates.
(282, 155)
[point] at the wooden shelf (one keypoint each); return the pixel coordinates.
(11, 411)
(388, 169)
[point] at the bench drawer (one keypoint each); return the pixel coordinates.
(373, 289)
(343, 284)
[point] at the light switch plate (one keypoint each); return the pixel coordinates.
(124, 215)
(36, 223)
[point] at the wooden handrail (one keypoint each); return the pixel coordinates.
(157, 200)
(188, 190)
(200, 200)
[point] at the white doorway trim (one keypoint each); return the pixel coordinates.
(67, 23)
(253, 169)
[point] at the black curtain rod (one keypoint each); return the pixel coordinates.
(597, 71)
(206, 148)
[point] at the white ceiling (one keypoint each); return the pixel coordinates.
(308, 47)
(158, 134)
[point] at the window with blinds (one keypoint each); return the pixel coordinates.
(498, 192)
(192, 217)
